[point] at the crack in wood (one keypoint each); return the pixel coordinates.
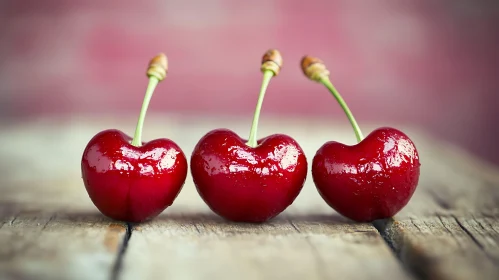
(468, 232)
(382, 226)
(272, 225)
(476, 241)
(491, 226)
(487, 222)
(397, 244)
(115, 273)
(294, 226)
(50, 220)
(479, 223)
(196, 227)
(431, 229)
(450, 232)
(13, 220)
(444, 226)
(414, 223)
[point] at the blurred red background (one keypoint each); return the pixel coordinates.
(431, 63)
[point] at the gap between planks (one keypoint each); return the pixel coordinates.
(116, 269)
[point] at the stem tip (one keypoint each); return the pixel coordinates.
(158, 67)
(272, 60)
(314, 68)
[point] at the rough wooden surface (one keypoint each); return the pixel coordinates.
(49, 229)
(450, 229)
(39, 240)
(308, 241)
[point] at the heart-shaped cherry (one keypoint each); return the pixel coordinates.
(372, 180)
(249, 181)
(128, 180)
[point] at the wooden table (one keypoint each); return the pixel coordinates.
(49, 229)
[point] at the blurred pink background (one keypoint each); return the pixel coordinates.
(432, 63)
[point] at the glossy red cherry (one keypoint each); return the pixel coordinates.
(246, 184)
(372, 180)
(129, 183)
(249, 181)
(128, 180)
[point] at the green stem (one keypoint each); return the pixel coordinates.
(326, 82)
(267, 76)
(137, 138)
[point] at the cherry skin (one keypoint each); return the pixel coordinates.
(372, 180)
(245, 184)
(129, 183)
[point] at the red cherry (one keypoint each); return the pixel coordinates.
(131, 183)
(246, 184)
(372, 180)
(249, 181)
(127, 179)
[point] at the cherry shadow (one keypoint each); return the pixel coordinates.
(208, 222)
(327, 219)
(332, 219)
(207, 217)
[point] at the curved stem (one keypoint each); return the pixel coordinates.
(326, 82)
(267, 76)
(137, 138)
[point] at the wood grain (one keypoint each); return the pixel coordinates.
(47, 234)
(449, 230)
(305, 242)
(40, 245)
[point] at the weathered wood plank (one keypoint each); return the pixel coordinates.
(44, 240)
(449, 229)
(309, 242)
(485, 233)
(55, 246)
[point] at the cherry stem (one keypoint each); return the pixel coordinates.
(326, 82)
(158, 67)
(137, 138)
(267, 76)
